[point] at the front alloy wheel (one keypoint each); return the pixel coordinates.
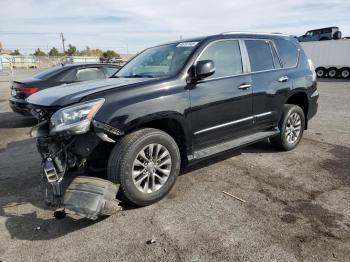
(145, 163)
(151, 168)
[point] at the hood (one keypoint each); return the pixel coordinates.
(72, 93)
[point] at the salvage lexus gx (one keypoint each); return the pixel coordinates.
(173, 105)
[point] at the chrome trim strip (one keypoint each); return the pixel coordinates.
(264, 114)
(232, 123)
(223, 125)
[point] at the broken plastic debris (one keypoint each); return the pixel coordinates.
(151, 241)
(91, 197)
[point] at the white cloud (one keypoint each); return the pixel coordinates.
(138, 24)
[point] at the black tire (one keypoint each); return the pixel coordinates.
(120, 165)
(332, 72)
(337, 35)
(281, 141)
(345, 72)
(321, 72)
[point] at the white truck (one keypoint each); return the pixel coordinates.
(331, 58)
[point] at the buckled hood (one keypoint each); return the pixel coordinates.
(72, 93)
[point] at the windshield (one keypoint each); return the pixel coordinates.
(160, 61)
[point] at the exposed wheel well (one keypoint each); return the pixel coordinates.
(174, 129)
(300, 99)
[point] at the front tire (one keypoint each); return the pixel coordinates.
(292, 126)
(145, 163)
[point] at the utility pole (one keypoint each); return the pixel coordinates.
(63, 39)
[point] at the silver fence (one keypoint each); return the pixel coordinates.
(7, 62)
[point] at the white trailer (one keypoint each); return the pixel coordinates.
(331, 58)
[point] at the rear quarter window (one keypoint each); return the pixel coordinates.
(287, 51)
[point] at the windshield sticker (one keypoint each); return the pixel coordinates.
(187, 44)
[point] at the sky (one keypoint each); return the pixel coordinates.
(129, 26)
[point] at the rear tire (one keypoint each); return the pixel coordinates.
(337, 35)
(292, 126)
(321, 72)
(345, 72)
(136, 163)
(332, 72)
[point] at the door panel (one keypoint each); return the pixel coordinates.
(220, 110)
(269, 82)
(268, 94)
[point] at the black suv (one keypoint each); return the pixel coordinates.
(175, 104)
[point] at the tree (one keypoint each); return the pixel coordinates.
(71, 50)
(0, 47)
(96, 52)
(15, 52)
(38, 52)
(54, 52)
(110, 53)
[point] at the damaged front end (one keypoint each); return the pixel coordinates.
(67, 140)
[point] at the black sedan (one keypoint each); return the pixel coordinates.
(59, 75)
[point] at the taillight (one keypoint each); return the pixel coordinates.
(27, 91)
(312, 68)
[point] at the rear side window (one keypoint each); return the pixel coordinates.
(288, 52)
(227, 58)
(260, 56)
(86, 74)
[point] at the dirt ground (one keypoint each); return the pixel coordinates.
(297, 203)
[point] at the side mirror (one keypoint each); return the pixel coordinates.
(204, 68)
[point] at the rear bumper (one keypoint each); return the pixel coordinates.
(19, 106)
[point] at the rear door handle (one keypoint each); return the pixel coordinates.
(283, 79)
(244, 86)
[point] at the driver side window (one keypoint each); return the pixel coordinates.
(227, 58)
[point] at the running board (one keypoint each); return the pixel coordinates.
(235, 143)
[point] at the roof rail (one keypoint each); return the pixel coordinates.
(248, 33)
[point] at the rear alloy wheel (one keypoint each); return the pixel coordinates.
(345, 73)
(292, 126)
(145, 163)
(321, 72)
(332, 72)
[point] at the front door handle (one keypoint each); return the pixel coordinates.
(283, 79)
(244, 86)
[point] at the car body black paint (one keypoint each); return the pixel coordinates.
(197, 105)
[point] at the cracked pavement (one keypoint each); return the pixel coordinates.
(297, 203)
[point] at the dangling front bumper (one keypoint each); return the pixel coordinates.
(86, 196)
